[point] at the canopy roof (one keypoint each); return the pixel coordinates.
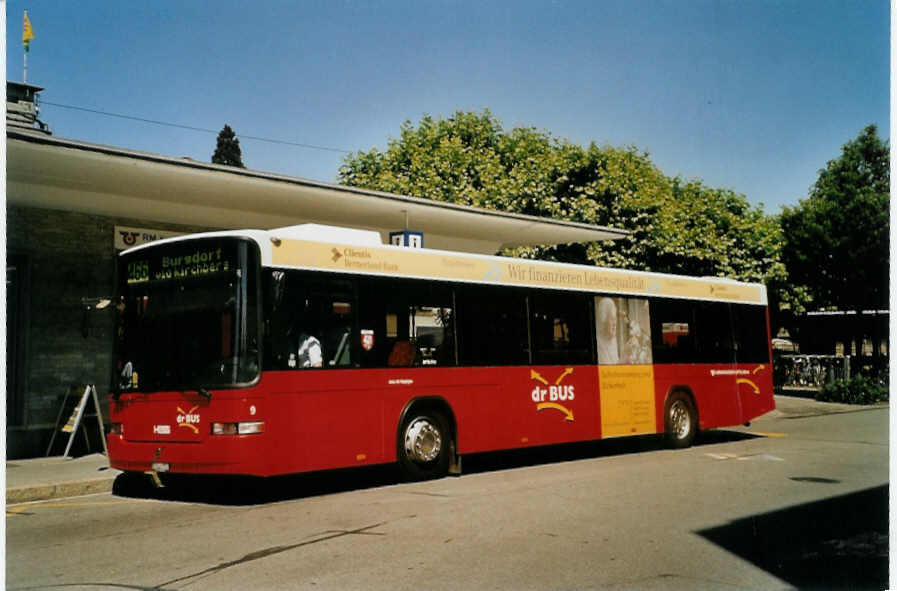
(56, 173)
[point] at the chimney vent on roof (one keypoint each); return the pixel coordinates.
(22, 108)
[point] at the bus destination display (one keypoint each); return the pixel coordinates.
(198, 262)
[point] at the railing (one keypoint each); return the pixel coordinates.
(809, 371)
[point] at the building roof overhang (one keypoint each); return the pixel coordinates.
(56, 173)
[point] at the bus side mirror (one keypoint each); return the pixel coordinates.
(88, 306)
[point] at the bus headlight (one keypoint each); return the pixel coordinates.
(248, 428)
(116, 429)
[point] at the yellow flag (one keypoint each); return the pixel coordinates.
(27, 31)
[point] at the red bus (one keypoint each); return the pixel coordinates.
(313, 348)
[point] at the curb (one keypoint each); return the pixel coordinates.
(797, 407)
(58, 490)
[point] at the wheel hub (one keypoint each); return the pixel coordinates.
(423, 442)
(680, 419)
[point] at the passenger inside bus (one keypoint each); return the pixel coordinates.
(309, 352)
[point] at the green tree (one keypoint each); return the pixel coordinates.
(227, 149)
(675, 226)
(836, 240)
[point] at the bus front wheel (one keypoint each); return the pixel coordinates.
(424, 445)
(680, 420)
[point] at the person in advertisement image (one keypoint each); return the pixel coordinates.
(624, 331)
(625, 371)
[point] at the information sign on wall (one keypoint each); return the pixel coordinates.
(128, 237)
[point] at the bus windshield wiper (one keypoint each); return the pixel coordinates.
(204, 393)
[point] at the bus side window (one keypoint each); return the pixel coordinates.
(308, 321)
(560, 328)
(335, 326)
(407, 322)
(673, 331)
(751, 344)
(714, 335)
(492, 326)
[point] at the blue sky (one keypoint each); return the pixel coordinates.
(754, 96)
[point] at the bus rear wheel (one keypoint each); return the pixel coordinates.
(680, 421)
(424, 445)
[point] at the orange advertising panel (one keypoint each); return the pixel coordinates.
(447, 266)
(627, 400)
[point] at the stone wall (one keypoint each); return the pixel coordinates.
(69, 257)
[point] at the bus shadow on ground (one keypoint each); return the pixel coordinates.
(836, 543)
(249, 490)
(236, 491)
(570, 452)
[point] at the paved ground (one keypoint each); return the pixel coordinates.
(804, 505)
(57, 477)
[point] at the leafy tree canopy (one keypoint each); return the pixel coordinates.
(837, 239)
(675, 226)
(227, 149)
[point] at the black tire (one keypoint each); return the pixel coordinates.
(680, 421)
(424, 444)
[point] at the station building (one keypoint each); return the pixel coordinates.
(72, 205)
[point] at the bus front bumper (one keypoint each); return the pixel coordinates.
(232, 455)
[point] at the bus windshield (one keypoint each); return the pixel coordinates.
(188, 316)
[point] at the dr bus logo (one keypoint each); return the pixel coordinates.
(188, 419)
(555, 393)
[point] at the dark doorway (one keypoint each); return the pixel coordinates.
(17, 274)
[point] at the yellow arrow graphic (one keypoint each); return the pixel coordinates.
(534, 375)
(749, 383)
(556, 406)
(759, 368)
(566, 373)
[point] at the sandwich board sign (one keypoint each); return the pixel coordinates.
(77, 417)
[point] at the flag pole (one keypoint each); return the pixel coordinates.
(25, 53)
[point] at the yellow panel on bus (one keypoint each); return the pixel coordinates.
(627, 400)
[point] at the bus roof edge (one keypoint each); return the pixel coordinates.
(324, 233)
